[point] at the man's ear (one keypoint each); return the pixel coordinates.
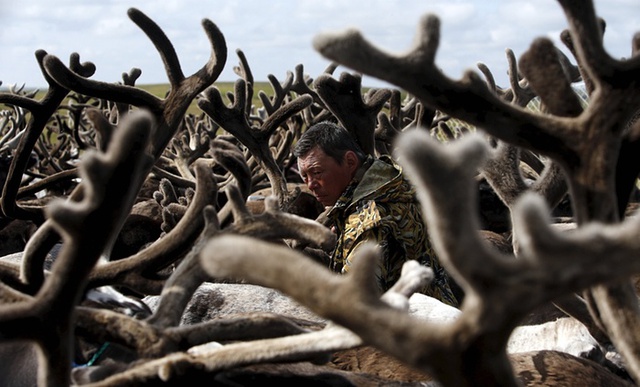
(351, 160)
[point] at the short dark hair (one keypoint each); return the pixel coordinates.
(333, 139)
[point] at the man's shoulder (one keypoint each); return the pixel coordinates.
(388, 164)
(377, 178)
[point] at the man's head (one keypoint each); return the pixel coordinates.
(328, 158)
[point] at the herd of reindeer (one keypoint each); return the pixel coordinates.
(143, 244)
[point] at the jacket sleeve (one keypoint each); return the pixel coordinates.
(391, 260)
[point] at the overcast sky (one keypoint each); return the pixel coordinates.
(276, 36)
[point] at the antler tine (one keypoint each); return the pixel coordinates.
(385, 134)
(104, 129)
(239, 210)
(162, 44)
(518, 94)
(586, 33)
(275, 120)
(491, 81)
(132, 76)
(567, 40)
(203, 77)
(521, 94)
(128, 79)
(396, 109)
(571, 71)
(552, 184)
(344, 99)
(184, 150)
(179, 287)
(244, 71)
(281, 92)
(635, 44)
(301, 85)
(231, 158)
(542, 67)
(283, 147)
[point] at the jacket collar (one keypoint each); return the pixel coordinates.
(371, 178)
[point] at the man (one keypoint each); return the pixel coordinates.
(367, 200)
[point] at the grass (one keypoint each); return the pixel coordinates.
(160, 90)
(224, 87)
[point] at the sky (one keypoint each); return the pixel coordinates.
(277, 36)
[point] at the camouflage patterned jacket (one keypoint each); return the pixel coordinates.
(380, 205)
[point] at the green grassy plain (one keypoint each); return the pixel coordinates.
(161, 90)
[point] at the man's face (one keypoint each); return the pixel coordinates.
(324, 176)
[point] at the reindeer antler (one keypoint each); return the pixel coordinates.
(256, 139)
(586, 146)
(344, 99)
(41, 111)
(168, 112)
(109, 179)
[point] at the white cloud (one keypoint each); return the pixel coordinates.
(277, 36)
